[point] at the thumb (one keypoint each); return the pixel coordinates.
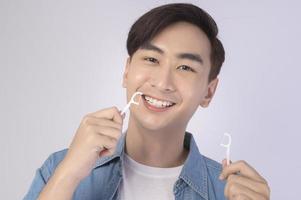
(224, 162)
(123, 115)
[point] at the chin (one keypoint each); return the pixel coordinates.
(149, 123)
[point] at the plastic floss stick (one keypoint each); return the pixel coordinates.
(125, 109)
(227, 146)
(131, 101)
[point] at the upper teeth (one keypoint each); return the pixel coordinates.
(157, 102)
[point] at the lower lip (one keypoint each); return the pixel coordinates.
(156, 109)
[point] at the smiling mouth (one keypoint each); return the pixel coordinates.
(155, 104)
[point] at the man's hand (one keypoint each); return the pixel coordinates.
(244, 182)
(96, 136)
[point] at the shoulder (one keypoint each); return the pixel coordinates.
(43, 174)
(51, 163)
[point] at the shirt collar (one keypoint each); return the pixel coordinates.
(117, 154)
(194, 171)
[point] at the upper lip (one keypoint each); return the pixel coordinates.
(160, 99)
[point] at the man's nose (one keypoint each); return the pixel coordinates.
(163, 79)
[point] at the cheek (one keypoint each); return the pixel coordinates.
(138, 76)
(191, 91)
(191, 96)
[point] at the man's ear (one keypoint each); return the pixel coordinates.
(125, 73)
(210, 93)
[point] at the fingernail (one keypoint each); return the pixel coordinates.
(221, 177)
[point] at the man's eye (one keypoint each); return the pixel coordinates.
(186, 68)
(150, 59)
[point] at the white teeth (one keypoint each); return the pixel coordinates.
(157, 103)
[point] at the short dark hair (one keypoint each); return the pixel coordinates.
(151, 23)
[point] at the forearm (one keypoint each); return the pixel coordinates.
(60, 186)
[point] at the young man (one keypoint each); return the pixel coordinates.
(174, 60)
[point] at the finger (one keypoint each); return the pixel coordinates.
(91, 120)
(102, 142)
(104, 152)
(241, 167)
(241, 197)
(224, 162)
(106, 131)
(111, 113)
(254, 185)
(236, 190)
(123, 115)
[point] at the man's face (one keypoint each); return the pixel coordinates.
(172, 69)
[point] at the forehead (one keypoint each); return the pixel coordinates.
(183, 36)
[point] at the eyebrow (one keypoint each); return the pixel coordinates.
(190, 56)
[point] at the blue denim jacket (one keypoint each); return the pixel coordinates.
(197, 180)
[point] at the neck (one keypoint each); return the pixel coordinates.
(164, 148)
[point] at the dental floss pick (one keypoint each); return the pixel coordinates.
(131, 101)
(227, 146)
(125, 109)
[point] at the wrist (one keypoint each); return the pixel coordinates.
(65, 173)
(61, 185)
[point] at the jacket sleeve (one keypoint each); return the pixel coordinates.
(36, 186)
(43, 174)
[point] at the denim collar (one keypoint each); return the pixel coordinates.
(117, 154)
(194, 171)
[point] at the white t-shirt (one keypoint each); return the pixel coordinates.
(147, 183)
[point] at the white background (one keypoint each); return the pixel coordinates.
(60, 60)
